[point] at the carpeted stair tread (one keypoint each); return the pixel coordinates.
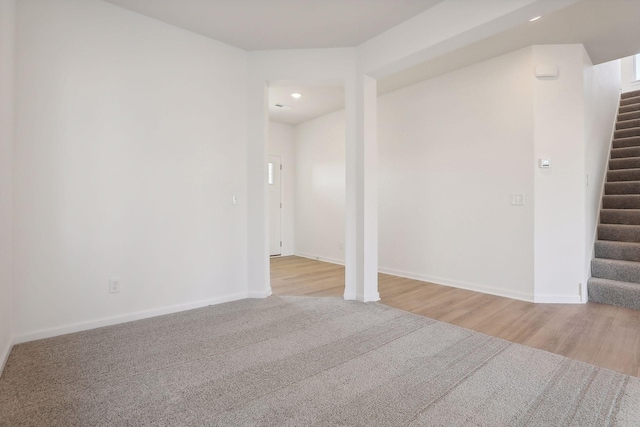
(622, 187)
(619, 232)
(630, 100)
(622, 117)
(620, 216)
(628, 108)
(621, 201)
(613, 269)
(625, 251)
(623, 175)
(626, 133)
(626, 124)
(614, 292)
(631, 94)
(626, 142)
(620, 153)
(624, 163)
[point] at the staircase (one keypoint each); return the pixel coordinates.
(615, 270)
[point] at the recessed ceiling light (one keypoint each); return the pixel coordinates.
(535, 19)
(296, 95)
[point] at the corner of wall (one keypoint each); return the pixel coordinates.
(7, 74)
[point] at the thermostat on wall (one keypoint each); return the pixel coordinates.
(544, 163)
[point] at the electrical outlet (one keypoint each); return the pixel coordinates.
(341, 245)
(114, 285)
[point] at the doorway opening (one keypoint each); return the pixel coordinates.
(306, 185)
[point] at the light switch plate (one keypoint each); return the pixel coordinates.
(517, 199)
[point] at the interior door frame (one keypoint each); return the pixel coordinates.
(279, 189)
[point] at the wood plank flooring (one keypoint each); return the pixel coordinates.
(599, 334)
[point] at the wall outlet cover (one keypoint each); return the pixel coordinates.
(114, 285)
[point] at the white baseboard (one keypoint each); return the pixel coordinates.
(461, 285)
(108, 321)
(441, 281)
(4, 356)
(320, 258)
(558, 299)
(262, 294)
(372, 297)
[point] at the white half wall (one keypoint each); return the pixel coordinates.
(130, 143)
(601, 97)
(320, 187)
(451, 152)
(281, 143)
(7, 63)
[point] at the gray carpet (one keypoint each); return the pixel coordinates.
(615, 270)
(304, 361)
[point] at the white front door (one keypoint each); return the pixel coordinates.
(275, 205)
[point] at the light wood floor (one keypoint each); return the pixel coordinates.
(599, 334)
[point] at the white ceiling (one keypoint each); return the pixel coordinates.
(282, 24)
(609, 29)
(316, 101)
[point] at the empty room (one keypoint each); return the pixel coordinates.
(320, 212)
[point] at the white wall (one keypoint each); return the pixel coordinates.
(629, 82)
(602, 94)
(130, 142)
(7, 32)
(559, 133)
(320, 187)
(281, 143)
(452, 150)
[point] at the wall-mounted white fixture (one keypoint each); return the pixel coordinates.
(547, 71)
(296, 95)
(234, 200)
(517, 199)
(544, 163)
(535, 19)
